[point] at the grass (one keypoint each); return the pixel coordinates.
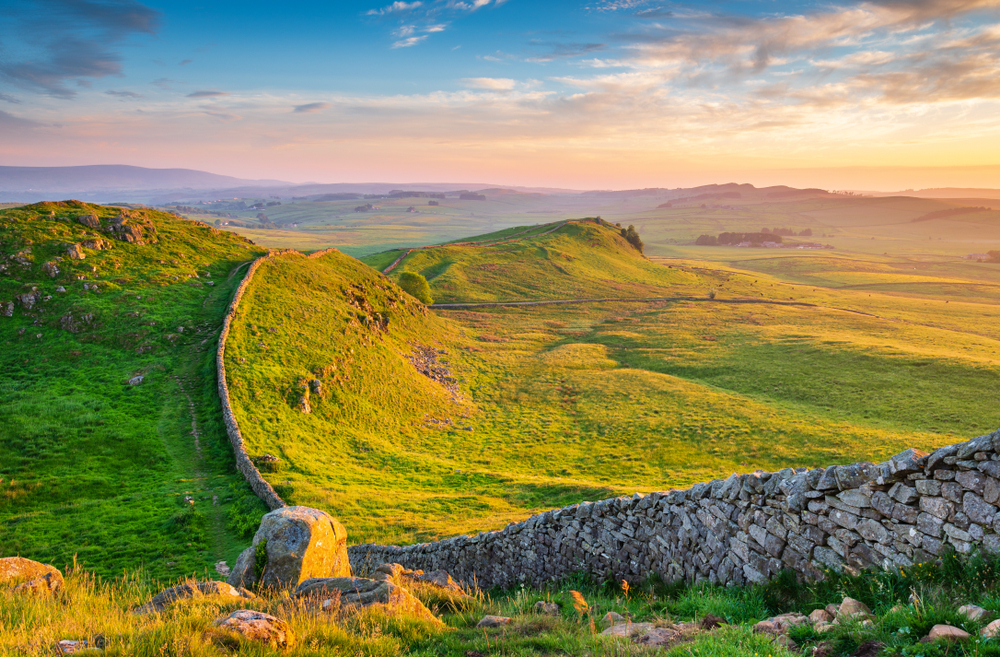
(92, 466)
(906, 603)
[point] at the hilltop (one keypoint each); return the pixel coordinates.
(110, 426)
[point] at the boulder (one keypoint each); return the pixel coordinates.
(27, 576)
(628, 629)
(363, 593)
(820, 616)
(974, 612)
(612, 618)
(992, 630)
(439, 579)
(70, 647)
(946, 633)
(494, 621)
(780, 624)
(546, 608)
(75, 252)
(853, 609)
(258, 626)
(194, 590)
(299, 543)
(89, 220)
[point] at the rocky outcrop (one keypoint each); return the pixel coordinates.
(293, 544)
(258, 626)
(27, 576)
(744, 529)
(196, 590)
(358, 592)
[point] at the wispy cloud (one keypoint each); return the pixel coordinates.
(395, 8)
(123, 94)
(422, 19)
(53, 43)
(207, 94)
(492, 84)
(310, 107)
(410, 41)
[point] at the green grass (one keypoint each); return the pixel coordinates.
(92, 466)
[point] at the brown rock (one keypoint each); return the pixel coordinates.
(820, 616)
(89, 220)
(301, 544)
(546, 608)
(194, 590)
(29, 576)
(974, 612)
(853, 609)
(992, 630)
(75, 252)
(360, 592)
(258, 626)
(494, 621)
(946, 633)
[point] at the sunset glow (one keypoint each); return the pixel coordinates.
(596, 93)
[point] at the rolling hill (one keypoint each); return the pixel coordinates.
(113, 446)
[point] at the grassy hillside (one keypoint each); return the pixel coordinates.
(93, 466)
(561, 261)
(566, 403)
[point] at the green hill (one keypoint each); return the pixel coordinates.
(565, 260)
(92, 297)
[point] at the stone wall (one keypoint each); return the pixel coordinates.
(744, 529)
(261, 488)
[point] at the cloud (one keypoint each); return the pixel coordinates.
(123, 94)
(9, 99)
(8, 120)
(411, 41)
(207, 94)
(310, 107)
(225, 117)
(185, 62)
(564, 50)
(163, 83)
(492, 84)
(655, 13)
(395, 8)
(53, 43)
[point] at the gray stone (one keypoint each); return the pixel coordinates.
(258, 627)
(902, 493)
(929, 487)
(854, 497)
(977, 509)
(936, 506)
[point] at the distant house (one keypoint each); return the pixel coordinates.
(977, 256)
(411, 209)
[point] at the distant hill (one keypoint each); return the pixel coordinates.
(946, 192)
(115, 177)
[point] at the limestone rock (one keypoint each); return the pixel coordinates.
(628, 629)
(853, 609)
(258, 626)
(193, 590)
(974, 612)
(946, 632)
(992, 630)
(136, 380)
(89, 220)
(301, 543)
(29, 576)
(494, 621)
(780, 624)
(612, 618)
(820, 616)
(75, 252)
(360, 592)
(546, 608)
(70, 647)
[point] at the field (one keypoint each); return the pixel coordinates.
(559, 404)
(92, 466)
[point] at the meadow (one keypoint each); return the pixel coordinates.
(116, 475)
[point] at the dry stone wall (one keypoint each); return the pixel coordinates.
(744, 529)
(260, 487)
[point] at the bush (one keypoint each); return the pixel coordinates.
(707, 240)
(632, 237)
(416, 286)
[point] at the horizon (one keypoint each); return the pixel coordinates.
(606, 94)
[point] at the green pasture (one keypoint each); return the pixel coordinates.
(91, 467)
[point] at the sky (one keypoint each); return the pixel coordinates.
(587, 94)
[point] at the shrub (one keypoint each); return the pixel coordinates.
(416, 286)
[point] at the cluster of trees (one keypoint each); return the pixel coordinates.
(471, 196)
(632, 237)
(416, 286)
(728, 239)
(994, 256)
(788, 232)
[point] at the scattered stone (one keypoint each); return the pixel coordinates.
(992, 630)
(29, 576)
(494, 621)
(221, 567)
(612, 618)
(780, 624)
(89, 220)
(546, 608)
(68, 647)
(258, 626)
(945, 632)
(300, 544)
(661, 637)
(75, 252)
(823, 626)
(136, 380)
(628, 629)
(820, 616)
(974, 612)
(785, 642)
(195, 590)
(853, 609)
(358, 592)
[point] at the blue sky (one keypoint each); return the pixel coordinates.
(573, 93)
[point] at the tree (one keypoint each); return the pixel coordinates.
(632, 237)
(416, 286)
(707, 240)
(994, 256)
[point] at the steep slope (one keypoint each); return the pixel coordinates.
(111, 442)
(564, 260)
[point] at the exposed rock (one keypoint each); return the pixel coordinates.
(946, 632)
(494, 621)
(89, 220)
(8, 309)
(992, 630)
(29, 576)
(221, 567)
(51, 268)
(75, 252)
(546, 608)
(359, 592)
(853, 609)
(300, 544)
(780, 624)
(974, 612)
(612, 618)
(136, 380)
(70, 647)
(28, 299)
(628, 629)
(316, 387)
(194, 590)
(820, 616)
(258, 626)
